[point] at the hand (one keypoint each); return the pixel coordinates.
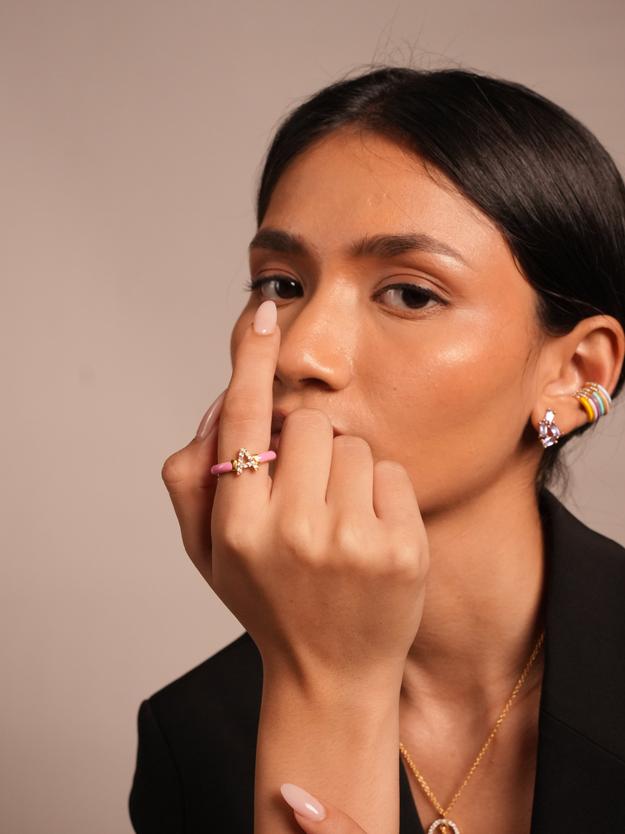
(316, 817)
(325, 563)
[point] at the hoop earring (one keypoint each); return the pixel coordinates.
(594, 399)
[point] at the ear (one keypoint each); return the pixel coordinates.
(592, 352)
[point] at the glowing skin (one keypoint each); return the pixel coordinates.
(440, 388)
(454, 390)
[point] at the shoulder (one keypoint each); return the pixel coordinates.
(225, 688)
(197, 744)
(193, 721)
(584, 677)
(577, 547)
(585, 578)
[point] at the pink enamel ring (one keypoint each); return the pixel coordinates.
(243, 460)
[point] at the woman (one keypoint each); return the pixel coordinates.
(433, 642)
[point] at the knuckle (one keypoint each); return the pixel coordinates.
(393, 468)
(349, 541)
(240, 408)
(408, 558)
(405, 560)
(352, 444)
(175, 470)
(236, 538)
(243, 423)
(309, 417)
(296, 539)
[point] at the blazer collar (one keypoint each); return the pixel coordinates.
(580, 769)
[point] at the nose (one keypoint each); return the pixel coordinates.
(318, 340)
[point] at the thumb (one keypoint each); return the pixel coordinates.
(316, 818)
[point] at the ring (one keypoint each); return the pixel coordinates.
(243, 460)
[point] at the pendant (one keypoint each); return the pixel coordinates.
(442, 823)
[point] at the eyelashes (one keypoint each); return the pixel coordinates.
(256, 284)
(418, 295)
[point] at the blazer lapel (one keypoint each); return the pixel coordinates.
(580, 772)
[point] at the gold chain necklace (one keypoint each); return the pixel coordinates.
(444, 823)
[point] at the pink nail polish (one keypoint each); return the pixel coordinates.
(303, 802)
(266, 317)
(209, 419)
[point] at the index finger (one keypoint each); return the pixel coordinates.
(246, 414)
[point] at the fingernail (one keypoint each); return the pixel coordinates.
(266, 317)
(210, 417)
(302, 802)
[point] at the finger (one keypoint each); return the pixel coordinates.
(192, 491)
(247, 409)
(314, 816)
(394, 498)
(301, 471)
(350, 485)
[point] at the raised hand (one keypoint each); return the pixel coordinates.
(324, 563)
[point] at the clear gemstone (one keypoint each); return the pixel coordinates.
(548, 432)
(443, 821)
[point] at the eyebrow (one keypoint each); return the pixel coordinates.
(381, 246)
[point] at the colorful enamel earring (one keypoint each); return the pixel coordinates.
(593, 398)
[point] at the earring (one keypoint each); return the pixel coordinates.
(548, 432)
(594, 399)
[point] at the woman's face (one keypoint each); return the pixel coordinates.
(437, 373)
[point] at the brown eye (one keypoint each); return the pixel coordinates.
(414, 296)
(259, 284)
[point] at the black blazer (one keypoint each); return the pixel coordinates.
(197, 735)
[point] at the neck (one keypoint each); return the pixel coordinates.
(483, 611)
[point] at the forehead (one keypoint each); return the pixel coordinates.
(353, 183)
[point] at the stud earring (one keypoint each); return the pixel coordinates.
(548, 431)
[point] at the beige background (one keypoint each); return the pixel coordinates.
(132, 135)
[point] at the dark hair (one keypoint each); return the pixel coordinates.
(542, 177)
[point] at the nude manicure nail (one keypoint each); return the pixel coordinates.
(209, 419)
(303, 802)
(265, 317)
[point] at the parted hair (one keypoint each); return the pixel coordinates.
(542, 177)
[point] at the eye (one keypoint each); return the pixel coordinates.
(260, 283)
(414, 296)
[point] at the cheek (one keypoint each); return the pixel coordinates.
(464, 394)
